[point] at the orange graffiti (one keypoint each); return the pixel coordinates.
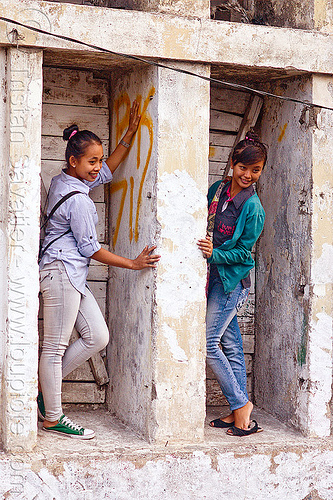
(123, 101)
(115, 187)
(147, 121)
(283, 131)
(131, 209)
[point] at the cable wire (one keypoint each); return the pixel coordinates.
(238, 86)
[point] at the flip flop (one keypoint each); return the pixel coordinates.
(221, 424)
(236, 431)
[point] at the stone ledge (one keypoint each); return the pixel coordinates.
(278, 463)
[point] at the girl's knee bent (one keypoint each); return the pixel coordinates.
(102, 339)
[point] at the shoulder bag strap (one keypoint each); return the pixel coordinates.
(56, 206)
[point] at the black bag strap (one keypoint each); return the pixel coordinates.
(57, 205)
(51, 242)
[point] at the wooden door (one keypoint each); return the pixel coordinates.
(232, 113)
(81, 97)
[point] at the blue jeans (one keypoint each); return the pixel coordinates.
(222, 329)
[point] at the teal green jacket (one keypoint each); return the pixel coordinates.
(233, 258)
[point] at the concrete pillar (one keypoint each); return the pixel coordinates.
(4, 185)
(157, 353)
(24, 100)
(321, 285)
(293, 357)
(284, 255)
(183, 142)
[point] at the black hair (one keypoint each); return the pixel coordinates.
(78, 141)
(250, 150)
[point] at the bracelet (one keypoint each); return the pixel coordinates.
(123, 143)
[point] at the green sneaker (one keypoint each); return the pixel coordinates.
(66, 427)
(40, 406)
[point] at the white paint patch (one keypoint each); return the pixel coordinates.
(171, 337)
(323, 269)
(319, 290)
(320, 375)
(215, 475)
(181, 213)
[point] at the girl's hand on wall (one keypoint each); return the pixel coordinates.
(206, 246)
(145, 259)
(121, 150)
(134, 119)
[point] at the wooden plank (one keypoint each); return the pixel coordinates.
(83, 372)
(50, 169)
(217, 168)
(53, 148)
(219, 153)
(74, 87)
(224, 121)
(231, 101)
(249, 120)
(213, 178)
(55, 118)
(100, 227)
(98, 369)
(221, 139)
(82, 392)
(98, 271)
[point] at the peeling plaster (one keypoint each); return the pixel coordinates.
(171, 337)
(179, 202)
(323, 269)
(320, 375)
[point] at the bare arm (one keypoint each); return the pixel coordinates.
(119, 153)
(145, 259)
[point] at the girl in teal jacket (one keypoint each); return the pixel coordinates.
(235, 221)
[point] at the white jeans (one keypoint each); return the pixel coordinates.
(65, 307)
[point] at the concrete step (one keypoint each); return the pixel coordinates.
(277, 464)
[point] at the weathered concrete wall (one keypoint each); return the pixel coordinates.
(323, 15)
(132, 227)
(183, 148)
(24, 98)
(229, 472)
(4, 187)
(157, 353)
(319, 384)
(284, 254)
(170, 37)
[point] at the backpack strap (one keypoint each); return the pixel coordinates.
(56, 206)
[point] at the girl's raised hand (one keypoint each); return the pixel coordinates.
(145, 259)
(206, 246)
(134, 119)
